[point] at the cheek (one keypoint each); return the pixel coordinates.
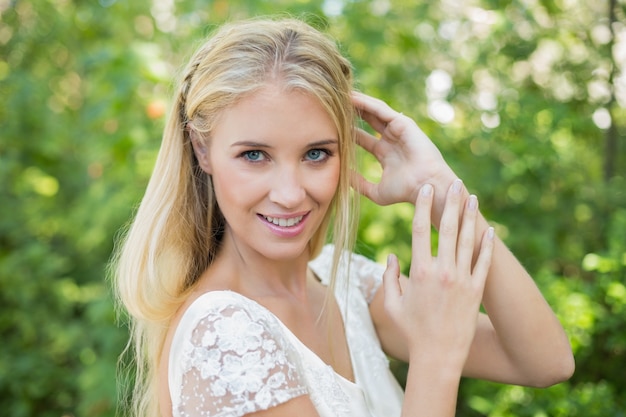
(325, 186)
(232, 190)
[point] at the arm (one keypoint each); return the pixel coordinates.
(520, 340)
(521, 331)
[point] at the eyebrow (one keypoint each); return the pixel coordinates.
(253, 144)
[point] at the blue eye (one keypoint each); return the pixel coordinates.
(253, 155)
(317, 155)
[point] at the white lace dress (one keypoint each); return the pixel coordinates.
(231, 356)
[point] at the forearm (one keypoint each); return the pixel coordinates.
(431, 388)
(526, 327)
(527, 331)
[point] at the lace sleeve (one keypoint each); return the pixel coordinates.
(366, 274)
(235, 362)
(369, 274)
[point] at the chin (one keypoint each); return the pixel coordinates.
(285, 251)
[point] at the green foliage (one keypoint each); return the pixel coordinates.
(515, 94)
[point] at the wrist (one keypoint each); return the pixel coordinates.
(441, 185)
(445, 362)
(440, 181)
(431, 388)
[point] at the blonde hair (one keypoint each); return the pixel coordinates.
(178, 226)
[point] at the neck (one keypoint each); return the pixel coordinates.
(254, 274)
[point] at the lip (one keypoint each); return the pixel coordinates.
(285, 231)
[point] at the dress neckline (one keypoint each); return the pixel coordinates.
(303, 347)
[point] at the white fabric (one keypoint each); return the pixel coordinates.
(231, 356)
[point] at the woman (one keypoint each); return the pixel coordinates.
(237, 307)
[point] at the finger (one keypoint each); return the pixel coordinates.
(374, 111)
(376, 124)
(483, 262)
(363, 186)
(421, 254)
(366, 141)
(449, 225)
(391, 284)
(465, 245)
(389, 123)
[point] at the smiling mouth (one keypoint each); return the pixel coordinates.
(282, 222)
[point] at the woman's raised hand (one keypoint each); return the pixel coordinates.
(437, 307)
(408, 157)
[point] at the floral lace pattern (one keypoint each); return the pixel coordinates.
(371, 366)
(235, 364)
(330, 396)
(231, 356)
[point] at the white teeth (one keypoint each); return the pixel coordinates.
(292, 221)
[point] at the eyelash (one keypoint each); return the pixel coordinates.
(326, 154)
(246, 155)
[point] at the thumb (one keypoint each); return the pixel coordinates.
(393, 292)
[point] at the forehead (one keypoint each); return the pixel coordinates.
(275, 114)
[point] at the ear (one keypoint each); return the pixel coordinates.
(201, 151)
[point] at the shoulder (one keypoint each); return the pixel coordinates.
(365, 273)
(226, 320)
(230, 355)
(218, 304)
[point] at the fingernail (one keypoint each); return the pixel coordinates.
(472, 203)
(456, 185)
(491, 233)
(427, 190)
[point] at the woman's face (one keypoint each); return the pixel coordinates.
(274, 159)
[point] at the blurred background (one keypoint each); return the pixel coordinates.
(525, 98)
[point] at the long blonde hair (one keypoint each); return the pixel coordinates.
(178, 227)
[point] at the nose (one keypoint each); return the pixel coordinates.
(287, 188)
